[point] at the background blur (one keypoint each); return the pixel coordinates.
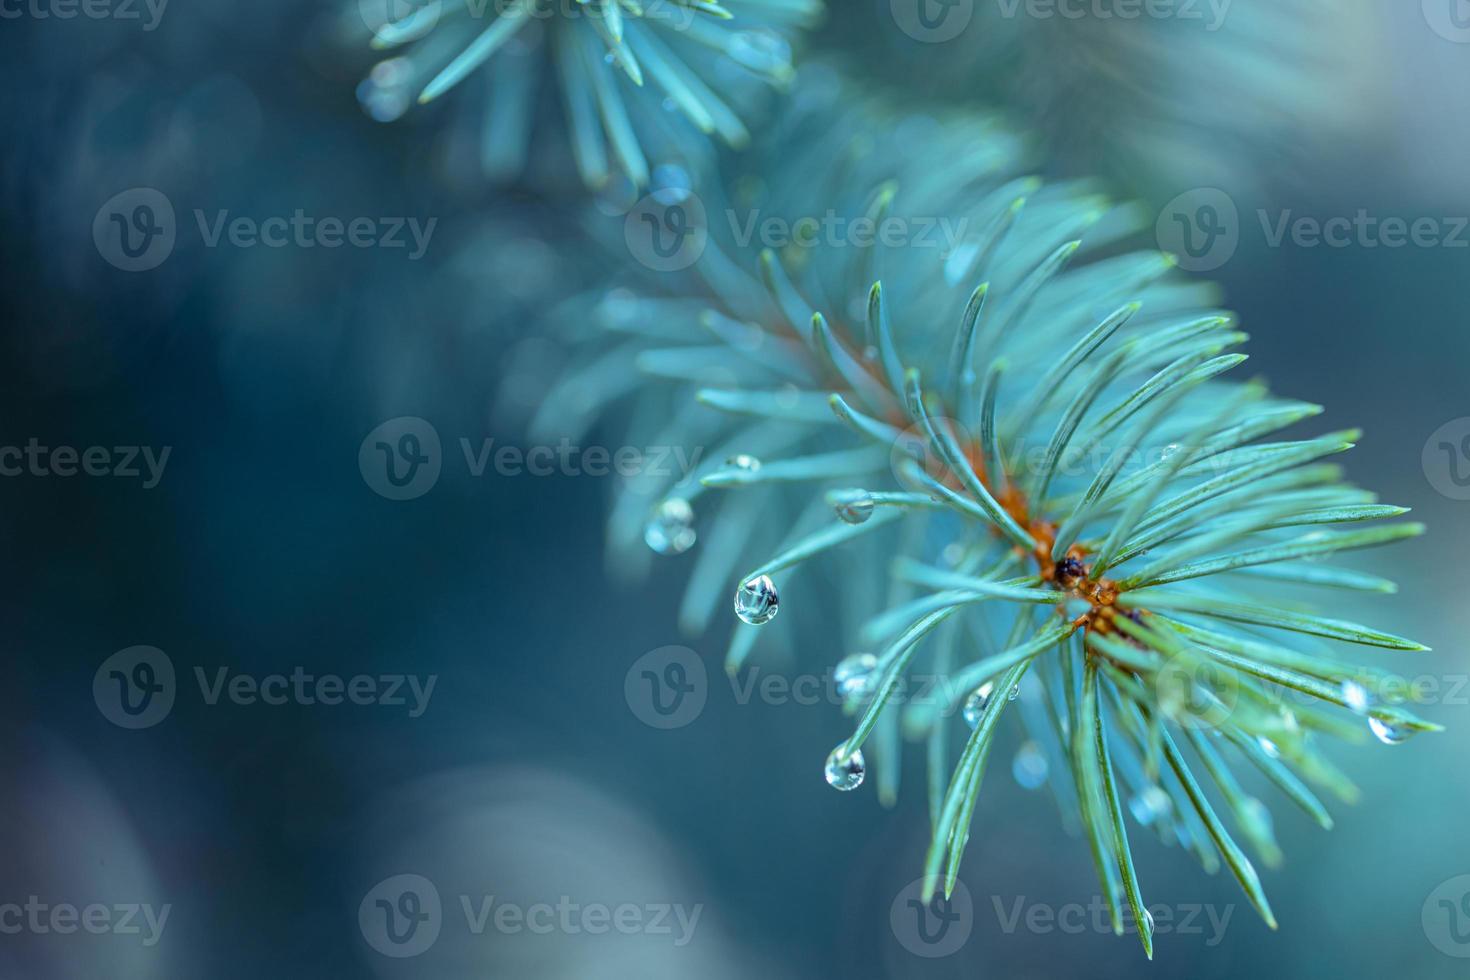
(528, 774)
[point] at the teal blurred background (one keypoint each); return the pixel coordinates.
(531, 775)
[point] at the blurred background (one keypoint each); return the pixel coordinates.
(183, 473)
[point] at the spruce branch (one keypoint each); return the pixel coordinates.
(1031, 434)
(621, 66)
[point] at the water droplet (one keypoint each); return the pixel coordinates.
(1029, 766)
(1388, 733)
(743, 462)
(1355, 696)
(1268, 746)
(852, 674)
(976, 704)
(845, 771)
(1015, 692)
(1148, 917)
(1150, 805)
(670, 530)
(953, 554)
(853, 506)
(756, 601)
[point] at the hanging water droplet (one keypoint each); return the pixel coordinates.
(1030, 766)
(1355, 696)
(976, 704)
(670, 530)
(851, 675)
(953, 554)
(853, 506)
(1389, 733)
(1015, 692)
(1149, 805)
(743, 462)
(1148, 918)
(845, 771)
(756, 601)
(1268, 746)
